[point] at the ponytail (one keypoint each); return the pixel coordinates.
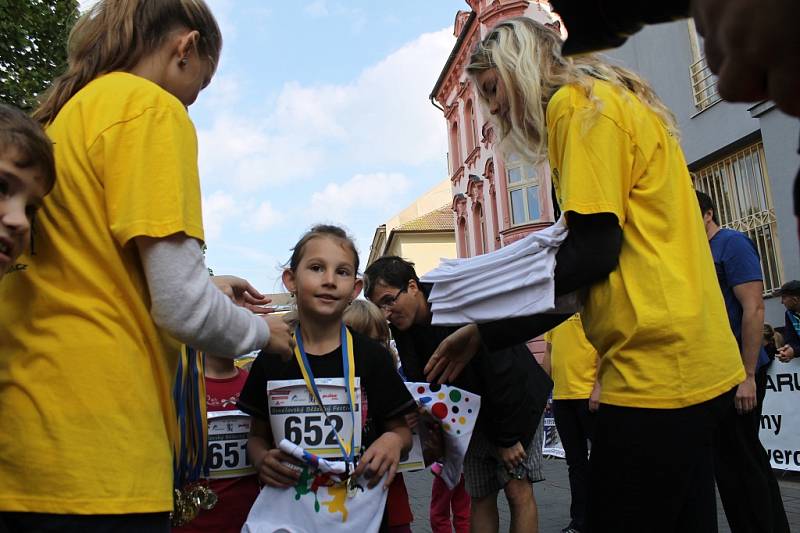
(116, 34)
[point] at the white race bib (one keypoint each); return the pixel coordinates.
(227, 444)
(296, 417)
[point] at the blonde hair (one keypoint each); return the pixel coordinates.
(116, 34)
(527, 58)
(363, 316)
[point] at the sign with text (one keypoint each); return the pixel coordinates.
(780, 417)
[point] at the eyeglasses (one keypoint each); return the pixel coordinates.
(388, 303)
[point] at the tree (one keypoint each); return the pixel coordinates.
(33, 47)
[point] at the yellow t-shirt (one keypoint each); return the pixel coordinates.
(572, 359)
(85, 374)
(658, 320)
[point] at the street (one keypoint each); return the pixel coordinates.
(552, 496)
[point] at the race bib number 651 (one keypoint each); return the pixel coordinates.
(227, 444)
(295, 416)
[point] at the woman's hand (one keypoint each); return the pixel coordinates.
(594, 399)
(243, 294)
(453, 354)
(273, 471)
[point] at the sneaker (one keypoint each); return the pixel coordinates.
(570, 529)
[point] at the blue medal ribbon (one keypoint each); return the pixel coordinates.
(348, 365)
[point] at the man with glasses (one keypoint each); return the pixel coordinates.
(506, 447)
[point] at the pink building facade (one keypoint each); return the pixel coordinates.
(495, 200)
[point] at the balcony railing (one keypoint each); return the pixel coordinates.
(704, 85)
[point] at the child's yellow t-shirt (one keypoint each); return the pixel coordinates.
(658, 321)
(572, 359)
(85, 374)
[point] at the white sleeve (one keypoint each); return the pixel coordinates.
(186, 304)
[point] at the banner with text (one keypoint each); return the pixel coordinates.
(780, 417)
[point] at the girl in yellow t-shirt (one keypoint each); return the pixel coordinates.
(653, 310)
(118, 276)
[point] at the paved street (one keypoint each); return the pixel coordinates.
(552, 496)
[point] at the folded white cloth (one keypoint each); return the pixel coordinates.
(516, 280)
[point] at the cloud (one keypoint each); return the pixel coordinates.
(217, 209)
(222, 209)
(318, 8)
(363, 192)
(382, 117)
(263, 217)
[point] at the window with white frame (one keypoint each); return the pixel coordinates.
(740, 189)
(522, 182)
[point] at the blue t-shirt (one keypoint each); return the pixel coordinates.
(736, 260)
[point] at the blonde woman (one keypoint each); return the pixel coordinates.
(653, 309)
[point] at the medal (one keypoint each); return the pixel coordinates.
(352, 487)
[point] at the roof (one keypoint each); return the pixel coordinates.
(440, 219)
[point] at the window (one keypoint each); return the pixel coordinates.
(739, 188)
(704, 84)
(523, 191)
(454, 149)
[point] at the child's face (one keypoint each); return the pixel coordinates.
(325, 280)
(21, 194)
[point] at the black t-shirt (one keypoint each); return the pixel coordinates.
(386, 394)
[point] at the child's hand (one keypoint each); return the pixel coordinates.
(273, 472)
(383, 456)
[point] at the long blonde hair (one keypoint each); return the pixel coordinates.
(527, 57)
(115, 34)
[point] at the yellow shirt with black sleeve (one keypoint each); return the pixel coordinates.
(572, 359)
(85, 374)
(656, 319)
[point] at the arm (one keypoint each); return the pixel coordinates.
(588, 255)
(384, 454)
(750, 297)
(547, 360)
(186, 303)
(791, 348)
(267, 459)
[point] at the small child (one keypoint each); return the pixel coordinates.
(233, 478)
(322, 274)
(366, 318)
(27, 173)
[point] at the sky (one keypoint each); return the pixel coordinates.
(319, 112)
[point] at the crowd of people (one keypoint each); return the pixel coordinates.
(662, 375)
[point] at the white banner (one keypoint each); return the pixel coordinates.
(780, 417)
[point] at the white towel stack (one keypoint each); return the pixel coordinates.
(516, 280)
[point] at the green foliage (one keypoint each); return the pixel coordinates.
(33, 47)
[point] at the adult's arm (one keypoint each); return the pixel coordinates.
(790, 336)
(588, 255)
(186, 304)
(752, 302)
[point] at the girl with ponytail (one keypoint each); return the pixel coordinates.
(91, 327)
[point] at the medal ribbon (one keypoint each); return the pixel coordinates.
(189, 395)
(348, 364)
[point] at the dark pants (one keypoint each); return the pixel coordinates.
(651, 469)
(574, 423)
(747, 486)
(66, 523)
